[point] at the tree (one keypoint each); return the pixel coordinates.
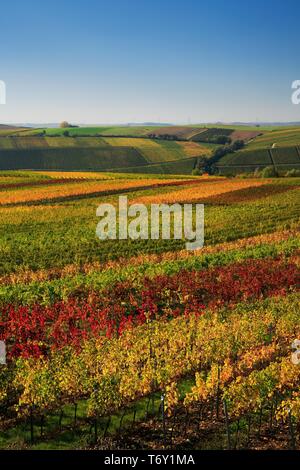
(238, 144)
(221, 139)
(64, 124)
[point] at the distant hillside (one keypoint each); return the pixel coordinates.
(68, 159)
(165, 132)
(282, 137)
(146, 148)
(7, 129)
(126, 131)
(282, 159)
(11, 127)
(97, 153)
(268, 124)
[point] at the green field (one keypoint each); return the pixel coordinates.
(135, 131)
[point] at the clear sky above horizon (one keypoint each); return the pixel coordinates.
(139, 60)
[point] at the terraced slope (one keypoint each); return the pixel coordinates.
(282, 159)
(281, 137)
(93, 158)
(178, 132)
(29, 142)
(95, 153)
(156, 151)
(179, 167)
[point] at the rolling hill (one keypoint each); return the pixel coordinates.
(281, 137)
(95, 153)
(282, 159)
(149, 149)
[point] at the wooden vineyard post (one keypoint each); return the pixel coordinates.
(107, 427)
(163, 416)
(31, 427)
(218, 394)
(95, 430)
(75, 413)
(237, 434)
(147, 408)
(121, 420)
(187, 421)
(200, 415)
(42, 424)
(227, 424)
(134, 415)
(172, 429)
(260, 420)
(60, 418)
(249, 430)
(291, 431)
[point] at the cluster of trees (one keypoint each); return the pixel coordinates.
(206, 164)
(164, 136)
(221, 139)
(65, 124)
(222, 151)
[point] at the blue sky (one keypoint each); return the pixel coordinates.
(160, 60)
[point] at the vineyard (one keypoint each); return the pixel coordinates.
(277, 148)
(142, 344)
(281, 159)
(167, 150)
(81, 153)
(281, 137)
(149, 233)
